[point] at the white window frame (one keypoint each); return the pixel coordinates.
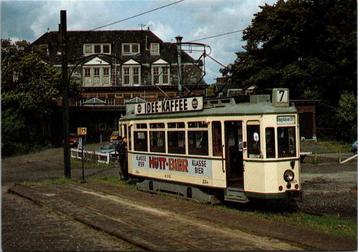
(131, 74)
(91, 77)
(130, 49)
(160, 66)
(154, 49)
(92, 45)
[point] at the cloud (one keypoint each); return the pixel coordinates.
(15, 17)
(163, 31)
(192, 19)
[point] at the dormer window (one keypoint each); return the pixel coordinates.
(89, 49)
(97, 48)
(106, 49)
(96, 73)
(160, 73)
(131, 73)
(130, 48)
(154, 49)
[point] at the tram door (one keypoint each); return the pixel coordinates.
(233, 154)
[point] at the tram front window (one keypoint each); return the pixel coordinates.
(270, 143)
(253, 141)
(286, 141)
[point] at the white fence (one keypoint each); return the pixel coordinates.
(347, 159)
(91, 155)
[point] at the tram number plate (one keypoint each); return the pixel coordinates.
(205, 181)
(167, 176)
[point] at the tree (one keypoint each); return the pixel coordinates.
(346, 114)
(308, 46)
(30, 88)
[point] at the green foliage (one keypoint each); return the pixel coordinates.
(308, 46)
(29, 91)
(346, 114)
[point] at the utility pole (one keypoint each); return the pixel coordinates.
(63, 40)
(180, 88)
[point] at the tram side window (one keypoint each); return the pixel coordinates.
(140, 141)
(198, 142)
(217, 144)
(253, 141)
(176, 142)
(157, 141)
(270, 143)
(286, 141)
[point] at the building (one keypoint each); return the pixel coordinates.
(112, 67)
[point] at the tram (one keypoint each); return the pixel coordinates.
(215, 148)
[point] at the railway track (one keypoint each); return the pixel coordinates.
(156, 229)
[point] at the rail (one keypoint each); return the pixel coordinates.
(92, 155)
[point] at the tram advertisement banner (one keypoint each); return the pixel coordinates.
(190, 166)
(170, 106)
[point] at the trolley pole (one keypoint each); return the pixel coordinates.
(180, 88)
(63, 40)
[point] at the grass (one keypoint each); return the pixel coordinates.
(115, 180)
(325, 146)
(329, 224)
(90, 164)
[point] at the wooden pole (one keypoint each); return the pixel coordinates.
(63, 40)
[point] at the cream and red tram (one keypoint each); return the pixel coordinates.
(239, 150)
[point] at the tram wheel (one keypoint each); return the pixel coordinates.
(151, 185)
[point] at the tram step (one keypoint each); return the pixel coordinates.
(235, 195)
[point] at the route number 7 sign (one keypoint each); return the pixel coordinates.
(280, 96)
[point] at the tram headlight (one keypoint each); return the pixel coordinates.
(288, 175)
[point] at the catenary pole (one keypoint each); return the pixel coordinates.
(180, 88)
(63, 40)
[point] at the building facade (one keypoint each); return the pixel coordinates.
(114, 67)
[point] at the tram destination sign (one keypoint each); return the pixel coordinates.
(170, 106)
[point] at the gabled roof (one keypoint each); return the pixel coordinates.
(131, 62)
(135, 100)
(96, 61)
(160, 62)
(94, 101)
(76, 39)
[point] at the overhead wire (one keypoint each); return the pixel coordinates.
(217, 35)
(137, 15)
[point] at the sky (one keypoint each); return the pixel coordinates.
(191, 19)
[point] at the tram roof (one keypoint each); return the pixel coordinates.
(221, 109)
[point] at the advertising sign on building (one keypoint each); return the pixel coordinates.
(170, 106)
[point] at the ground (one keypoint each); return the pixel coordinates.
(329, 187)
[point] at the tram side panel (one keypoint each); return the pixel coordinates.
(196, 171)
